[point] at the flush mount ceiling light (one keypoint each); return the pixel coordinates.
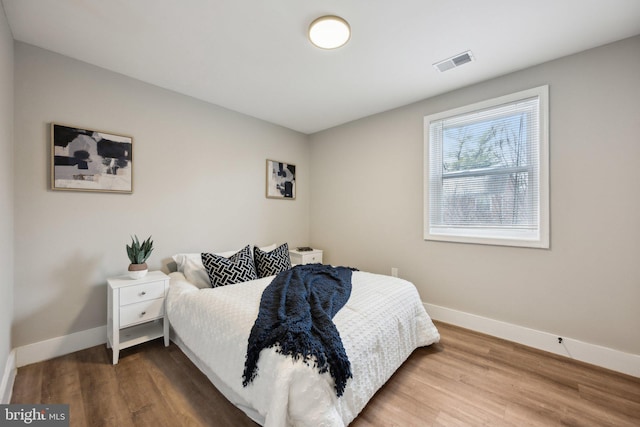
(329, 32)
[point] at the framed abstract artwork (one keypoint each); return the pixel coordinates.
(90, 160)
(281, 180)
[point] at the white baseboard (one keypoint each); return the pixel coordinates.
(54, 347)
(590, 353)
(8, 377)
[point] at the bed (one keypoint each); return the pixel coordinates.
(381, 324)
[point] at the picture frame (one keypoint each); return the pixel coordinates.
(281, 180)
(90, 160)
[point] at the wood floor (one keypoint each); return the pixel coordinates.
(468, 379)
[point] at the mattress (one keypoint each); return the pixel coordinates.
(381, 324)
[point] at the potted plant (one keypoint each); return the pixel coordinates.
(138, 254)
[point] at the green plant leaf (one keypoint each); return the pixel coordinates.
(139, 253)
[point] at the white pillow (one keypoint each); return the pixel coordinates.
(268, 248)
(190, 264)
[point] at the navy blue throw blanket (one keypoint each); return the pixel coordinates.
(296, 312)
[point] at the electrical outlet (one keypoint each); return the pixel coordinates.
(394, 271)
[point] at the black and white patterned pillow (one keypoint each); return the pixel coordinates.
(273, 262)
(224, 271)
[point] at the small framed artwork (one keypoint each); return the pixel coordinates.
(281, 180)
(90, 160)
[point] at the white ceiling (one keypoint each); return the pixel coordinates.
(252, 56)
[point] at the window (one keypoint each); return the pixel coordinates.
(487, 172)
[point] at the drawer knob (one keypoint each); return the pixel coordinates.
(143, 313)
(143, 293)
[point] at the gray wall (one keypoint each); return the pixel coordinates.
(6, 189)
(199, 185)
(367, 205)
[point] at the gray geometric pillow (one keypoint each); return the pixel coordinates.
(274, 262)
(224, 271)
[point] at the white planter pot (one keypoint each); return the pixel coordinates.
(138, 271)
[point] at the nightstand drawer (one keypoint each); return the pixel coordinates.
(141, 312)
(306, 257)
(312, 258)
(143, 292)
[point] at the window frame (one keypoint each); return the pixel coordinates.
(540, 238)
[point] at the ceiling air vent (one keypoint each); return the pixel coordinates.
(454, 62)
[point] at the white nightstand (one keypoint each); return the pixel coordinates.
(135, 312)
(305, 257)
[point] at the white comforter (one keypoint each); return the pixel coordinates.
(381, 324)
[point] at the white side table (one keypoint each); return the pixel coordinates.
(305, 257)
(135, 312)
